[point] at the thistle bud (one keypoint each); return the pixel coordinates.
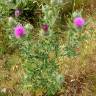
(28, 27)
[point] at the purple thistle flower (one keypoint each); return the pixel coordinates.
(79, 22)
(45, 27)
(19, 31)
(17, 12)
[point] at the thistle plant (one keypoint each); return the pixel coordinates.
(41, 69)
(75, 35)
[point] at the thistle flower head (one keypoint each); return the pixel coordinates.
(19, 31)
(45, 27)
(79, 22)
(17, 12)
